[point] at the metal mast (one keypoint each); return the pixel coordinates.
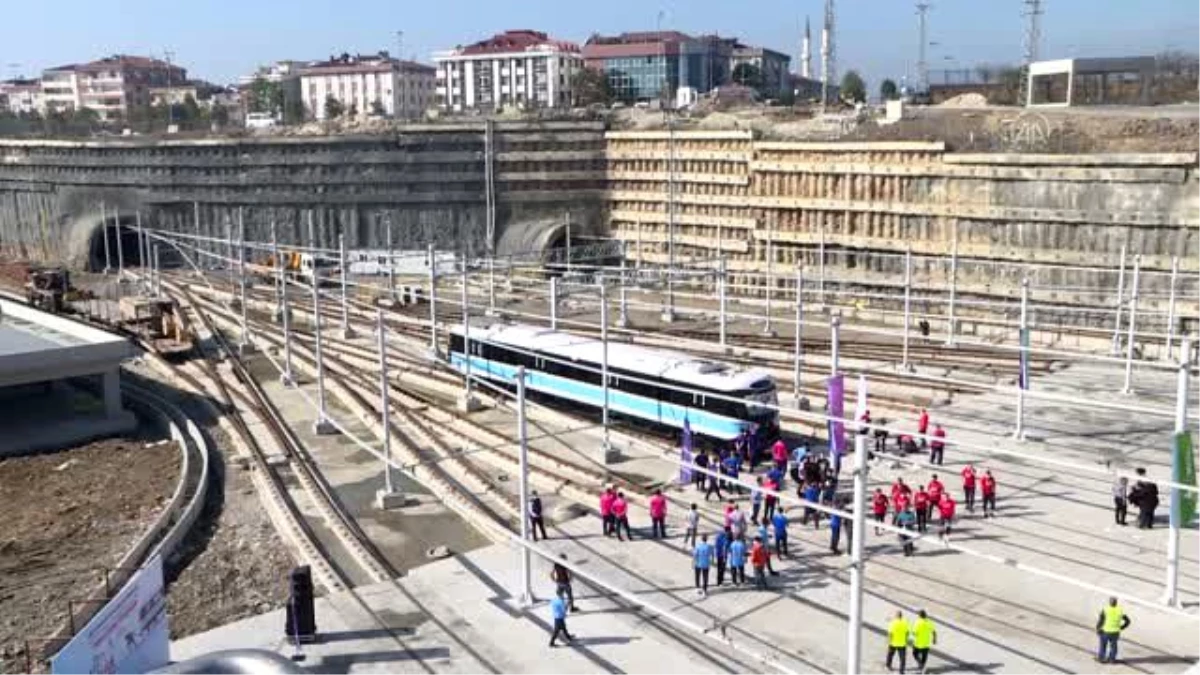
(923, 30)
(1032, 40)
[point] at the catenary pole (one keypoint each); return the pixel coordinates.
(1181, 421)
(1133, 303)
(523, 443)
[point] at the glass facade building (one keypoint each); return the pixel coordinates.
(653, 66)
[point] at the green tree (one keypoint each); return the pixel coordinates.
(854, 88)
(333, 108)
(265, 97)
(377, 108)
(590, 86)
(748, 75)
(352, 111)
(220, 115)
(888, 91)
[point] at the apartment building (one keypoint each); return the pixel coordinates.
(773, 67)
(513, 69)
(366, 84)
(109, 86)
(21, 96)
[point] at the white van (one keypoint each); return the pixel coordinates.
(260, 120)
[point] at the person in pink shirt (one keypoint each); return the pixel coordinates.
(620, 511)
(606, 510)
(936, 490)
(780, 454)
(658, 515)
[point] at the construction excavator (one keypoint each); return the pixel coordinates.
(49, 288)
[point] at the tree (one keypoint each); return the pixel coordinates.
(220, 115)
(333, 108)
(888, 90)
(293, 111)
(854, 89)
(590, 86)
(748, 75)
(352, 112)
(265, 97)
(377, 108)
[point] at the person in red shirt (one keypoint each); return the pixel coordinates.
(937, 447)
(779, 453)
(879, 505)
(968, 474)
(923, 425)
(921, 505)
(987, 485)
(946, 511)
(658, 515)
(936, 489)
(606, 502)
(758, 559)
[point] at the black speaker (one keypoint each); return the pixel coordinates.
(301, 615)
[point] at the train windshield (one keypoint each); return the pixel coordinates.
(762, 399)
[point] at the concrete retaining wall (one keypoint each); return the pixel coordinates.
(428, 181)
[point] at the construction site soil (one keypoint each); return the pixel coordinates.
(234, 564)
(67, 516)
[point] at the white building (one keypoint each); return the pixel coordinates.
(21, 96)
(60, 88)
(366, 84)
(516, 68)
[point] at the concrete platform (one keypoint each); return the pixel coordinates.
(43, 357)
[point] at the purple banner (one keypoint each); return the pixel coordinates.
(685, 455)
(837, 427)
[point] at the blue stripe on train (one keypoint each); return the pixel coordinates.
(670, 414)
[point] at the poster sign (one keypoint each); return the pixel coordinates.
(685, 455)
(128, 636)
(837, 403)
(1183, 508)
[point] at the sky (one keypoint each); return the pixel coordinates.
(219, 40)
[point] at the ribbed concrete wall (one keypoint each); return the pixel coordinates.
(869, 202)
(428, 181)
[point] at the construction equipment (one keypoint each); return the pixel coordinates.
(47, 288)
(158, 322)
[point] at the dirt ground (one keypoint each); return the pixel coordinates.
(67, 515)
(235, 563)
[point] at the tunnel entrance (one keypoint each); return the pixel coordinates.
(122, 245)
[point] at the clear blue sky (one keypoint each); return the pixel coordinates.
(221, 39)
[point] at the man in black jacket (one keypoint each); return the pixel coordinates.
(1144, 495)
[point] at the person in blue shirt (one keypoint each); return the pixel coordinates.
(812, 493)
(835, 532)
(702, 559)
(721, 551)
(737, 562)
(780, 523)
(775, 475)
(756, 500)
(558, 611)
(732, 464)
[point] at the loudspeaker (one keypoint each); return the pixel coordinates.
(301, 619)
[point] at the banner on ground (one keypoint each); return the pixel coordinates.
(837, 403)
(1183, 507)
(685, 455)
(128, 636)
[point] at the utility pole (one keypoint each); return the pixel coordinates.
(1032, 39)
(922, 30)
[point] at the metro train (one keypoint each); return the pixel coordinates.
(567, 367)
(374, 262)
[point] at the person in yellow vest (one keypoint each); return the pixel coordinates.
(1109, 626)
(924, 636)
(898, 635)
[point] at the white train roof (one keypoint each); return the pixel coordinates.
(683, 368)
